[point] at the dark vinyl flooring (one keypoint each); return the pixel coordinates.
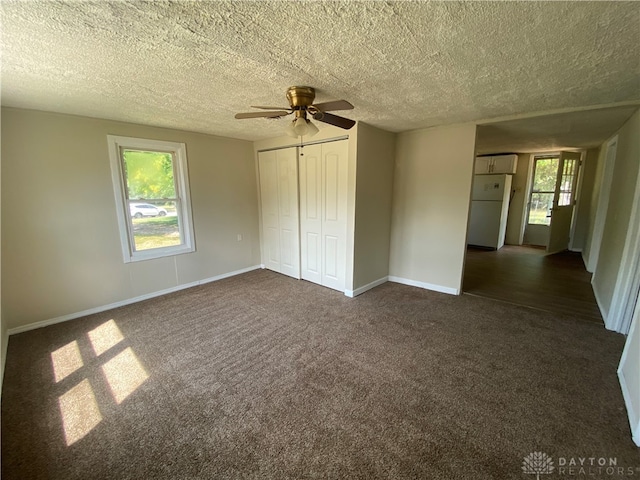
(527, 276)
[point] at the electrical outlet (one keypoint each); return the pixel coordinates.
(239, 237)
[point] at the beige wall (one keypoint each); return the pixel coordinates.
(625, 175)
(374, 194)
(585, 209)
(431, 197)
(4, 337)
(517, 207)
(60, 240)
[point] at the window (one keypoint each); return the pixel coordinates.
(150, 182)
(567, 181)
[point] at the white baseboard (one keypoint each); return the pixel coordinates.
(4, 343)
(603, 311)
(427, 286)
(129, 301)
(634, 417)
(585, 260)
(364, 288)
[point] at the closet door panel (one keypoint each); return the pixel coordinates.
(331, 249)
(288, 249)
(311, 213)
(334, 213)
(288, 207)
(332, 186)
(279, 200)
(268, 169)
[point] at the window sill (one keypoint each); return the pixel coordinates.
(159, 253)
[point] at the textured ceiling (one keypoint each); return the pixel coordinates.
(404, 65)
(568, 130)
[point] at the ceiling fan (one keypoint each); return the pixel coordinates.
(301, 104)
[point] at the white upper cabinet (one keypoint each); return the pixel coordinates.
(496, 164)
(505, 163)
(483, 165)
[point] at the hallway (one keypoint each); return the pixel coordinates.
(528, 276)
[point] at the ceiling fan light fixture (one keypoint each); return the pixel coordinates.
(312, 129)
(290, 129)
(300, 126)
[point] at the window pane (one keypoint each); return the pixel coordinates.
(566, 183)
(546, 174)
(149, 174)
(540, 209)
(154, 225)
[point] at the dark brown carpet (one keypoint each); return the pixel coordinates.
(263, 376)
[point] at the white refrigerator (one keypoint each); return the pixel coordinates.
(489, 210)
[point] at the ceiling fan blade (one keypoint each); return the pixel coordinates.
(335, 105)
(331, 119)
(269, 108)
(277, 113)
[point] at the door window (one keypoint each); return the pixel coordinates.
(567, 181)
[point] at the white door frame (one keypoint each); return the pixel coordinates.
(603, 204)
(627, 286)
(526, 200)
(531, 173)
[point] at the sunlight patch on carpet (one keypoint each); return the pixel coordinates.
(66, 360)
(105, 337)
(80, 412)
(124, 374)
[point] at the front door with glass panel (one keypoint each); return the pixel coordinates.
(551, 199)
(563, 202)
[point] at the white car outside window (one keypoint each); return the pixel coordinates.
(139, 210)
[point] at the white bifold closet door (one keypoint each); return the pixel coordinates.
(323, 213)
(280, 220)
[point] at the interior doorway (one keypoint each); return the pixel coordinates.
(542, 273)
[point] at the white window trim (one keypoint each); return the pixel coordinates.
(181, 175)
